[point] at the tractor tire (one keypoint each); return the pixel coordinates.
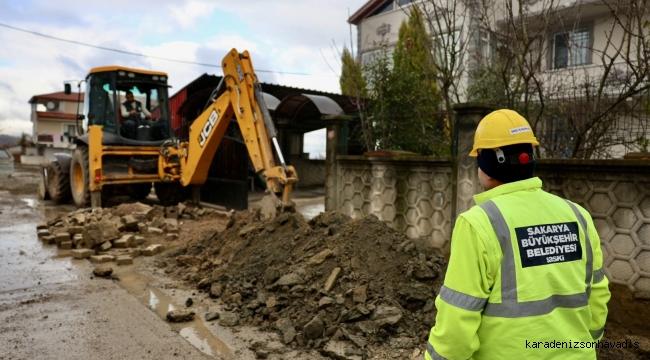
(172, 193)
(80, 176)
(43, 194)
(58, 184)
(139, 191)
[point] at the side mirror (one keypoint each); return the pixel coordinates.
(68, 88)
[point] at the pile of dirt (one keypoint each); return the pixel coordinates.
(627, 324)
(324, 284)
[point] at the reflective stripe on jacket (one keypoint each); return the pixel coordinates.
(524, 280)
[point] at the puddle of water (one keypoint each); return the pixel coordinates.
(26, 263)
(48, 209)
(30, 202)
(196, 339)
(194, 331)
(311, 211)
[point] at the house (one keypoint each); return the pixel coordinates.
(578, 66)
(54, 122)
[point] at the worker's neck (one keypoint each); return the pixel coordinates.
(491, 184)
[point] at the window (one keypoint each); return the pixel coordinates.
(386, 7)
(446, 50)
(69, 130)
(571, 48)
(368, 57)
(404, 2)
(485, 45)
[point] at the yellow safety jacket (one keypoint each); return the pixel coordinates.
(524, 281)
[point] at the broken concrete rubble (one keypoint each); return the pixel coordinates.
(103, 271)
(180, 315)
(93, 234)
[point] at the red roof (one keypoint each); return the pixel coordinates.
(57, 96)
(365, 10)
(54, 115)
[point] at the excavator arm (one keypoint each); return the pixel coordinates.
(188, 162)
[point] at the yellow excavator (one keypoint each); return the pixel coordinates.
(126, 142)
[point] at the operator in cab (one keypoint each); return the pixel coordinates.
(136, 115)
(133, 113)
(525, 278)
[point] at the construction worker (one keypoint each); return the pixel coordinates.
(525, 277)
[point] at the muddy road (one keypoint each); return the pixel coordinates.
(52, 308)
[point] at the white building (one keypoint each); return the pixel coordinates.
(54, 122)
(571, 44)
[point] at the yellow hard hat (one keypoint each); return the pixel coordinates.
(501, 128)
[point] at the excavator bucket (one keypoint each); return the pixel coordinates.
(271, 206)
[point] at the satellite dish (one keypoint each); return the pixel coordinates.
(50, 105)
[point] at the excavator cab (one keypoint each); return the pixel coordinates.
(125, 121)
(143, 119)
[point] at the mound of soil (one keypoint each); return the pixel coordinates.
(328, 280)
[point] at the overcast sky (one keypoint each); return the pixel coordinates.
(282, 35)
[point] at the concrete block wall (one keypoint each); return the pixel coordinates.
(310, 172)
(414, 195)
(617, 195)
(419, 195)
(410, 194)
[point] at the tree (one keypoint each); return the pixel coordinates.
(402, 111)
(352, 81)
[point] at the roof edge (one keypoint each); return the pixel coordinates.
(366, 9)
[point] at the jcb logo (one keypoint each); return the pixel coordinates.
(207, 128)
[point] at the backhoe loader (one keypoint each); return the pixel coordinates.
(121, 148)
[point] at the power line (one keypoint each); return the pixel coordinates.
(143, 55)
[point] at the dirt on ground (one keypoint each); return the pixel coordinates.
(346, 288)
(349, 288)
(273, 275)
(24, 180)
(627, 323)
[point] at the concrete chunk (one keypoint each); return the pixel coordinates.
(154, 230)
(48, 240)
(75, 229)
(61, 237)
(331, 280)
(66, 245)
(76, 238)
(82, 253)
(105, 230)
(125, 242)
(43, 232)
(171, 212)
(41, 225)
(124, 260)
(171, 237)
(135, 252)
(142, 227)
(105, 246)
(130, 222)
(100, 259)
(80, 218)
(152, 250)
(139, 240)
